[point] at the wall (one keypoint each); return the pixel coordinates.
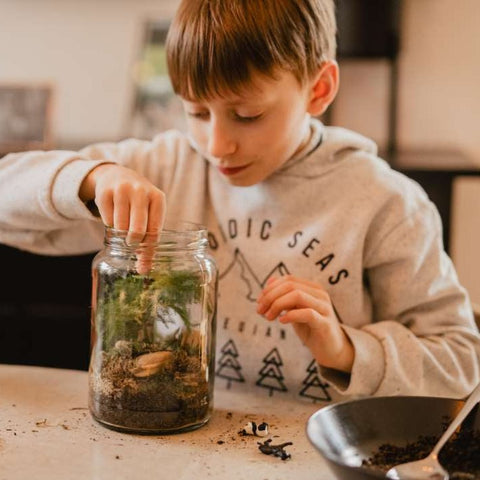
(439, 101)
(466, 227)
(88, 49)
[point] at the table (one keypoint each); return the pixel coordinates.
(46, 432)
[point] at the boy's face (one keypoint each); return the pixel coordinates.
(248, 137)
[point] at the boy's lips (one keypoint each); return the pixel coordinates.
(231, 170)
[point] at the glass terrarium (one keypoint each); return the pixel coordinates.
(153, 331)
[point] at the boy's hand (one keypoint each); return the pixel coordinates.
(125, 199)
(308, 307)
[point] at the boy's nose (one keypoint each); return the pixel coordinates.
(220, 141)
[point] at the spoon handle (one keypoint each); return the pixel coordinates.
(471, 401)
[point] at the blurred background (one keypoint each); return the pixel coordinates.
(73, 73)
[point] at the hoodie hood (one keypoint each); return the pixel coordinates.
(331, 145)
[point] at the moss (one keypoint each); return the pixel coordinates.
(127, 306)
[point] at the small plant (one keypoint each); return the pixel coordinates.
(129, 306)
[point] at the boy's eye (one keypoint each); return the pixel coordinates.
(246, 119)
(201, 115)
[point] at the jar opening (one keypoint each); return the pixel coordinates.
(174, 235)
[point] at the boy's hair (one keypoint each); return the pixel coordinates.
(213, 46)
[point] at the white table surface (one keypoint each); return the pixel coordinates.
(46, 432)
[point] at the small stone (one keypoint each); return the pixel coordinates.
(152, 363)
(123, 347)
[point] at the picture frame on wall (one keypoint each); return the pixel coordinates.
(155, 105)
(25, 117)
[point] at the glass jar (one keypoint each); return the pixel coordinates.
(153, 331)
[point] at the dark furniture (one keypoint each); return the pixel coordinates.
(45, 309)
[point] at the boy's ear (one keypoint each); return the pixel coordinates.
(324, 88)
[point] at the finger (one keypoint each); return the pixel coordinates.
(293, 300)
(266, 299)
(302, 316)
(289, 279)
(282, 288)
(145, 254)
(156, 212)
(285, 287)
(121, 209)
(139, 212)
(104, 204)
(138, 217)
(144, 263)
(274, 282)
(153, 223)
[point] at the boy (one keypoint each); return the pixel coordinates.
(331, 264)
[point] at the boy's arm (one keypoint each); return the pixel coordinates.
(424, 340)
(40, 205)
(38, 208)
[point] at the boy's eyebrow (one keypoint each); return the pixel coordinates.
(248, 97)
(233, 103)
(236, 103)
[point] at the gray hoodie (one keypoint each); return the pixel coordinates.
(334, 214)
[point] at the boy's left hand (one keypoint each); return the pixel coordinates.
(308, 307)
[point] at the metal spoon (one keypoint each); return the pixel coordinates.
(429, 468)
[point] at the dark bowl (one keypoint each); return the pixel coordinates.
(349, 432)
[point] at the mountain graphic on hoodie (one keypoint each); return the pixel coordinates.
(242, 269)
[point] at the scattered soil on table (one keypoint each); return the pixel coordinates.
(460, 456)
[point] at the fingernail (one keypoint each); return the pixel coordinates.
(269, 314)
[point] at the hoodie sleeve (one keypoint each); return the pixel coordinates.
(423, 339)
(40, 210)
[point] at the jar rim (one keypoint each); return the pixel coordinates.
(174, 233)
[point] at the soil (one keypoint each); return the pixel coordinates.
(460, 456)
(173, 399)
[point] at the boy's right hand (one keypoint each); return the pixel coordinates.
(125, 199)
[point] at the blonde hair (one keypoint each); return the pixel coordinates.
(214, 46)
